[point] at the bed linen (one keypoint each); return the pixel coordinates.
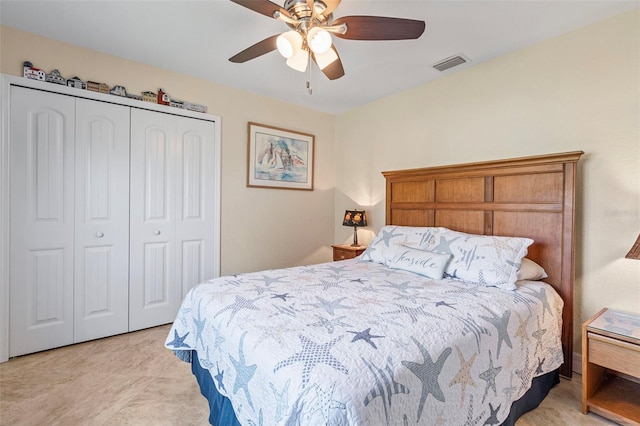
(358, 343)
(221, 411)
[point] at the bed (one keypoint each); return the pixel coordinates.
(383, 339)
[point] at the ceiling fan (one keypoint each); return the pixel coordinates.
(312, 23)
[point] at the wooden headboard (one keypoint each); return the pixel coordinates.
(525, 197)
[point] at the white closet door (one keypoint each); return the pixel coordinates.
(154, 297)
(42, 220)
(195, 194)
(102, 220)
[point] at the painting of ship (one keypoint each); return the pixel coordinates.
(281, 159)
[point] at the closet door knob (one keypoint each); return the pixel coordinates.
(156, 232)
(99, 234)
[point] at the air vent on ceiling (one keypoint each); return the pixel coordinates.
(451, 62)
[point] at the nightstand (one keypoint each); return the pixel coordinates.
(611, 343)
(345, 251)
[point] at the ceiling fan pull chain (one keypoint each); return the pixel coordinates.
(309, 89)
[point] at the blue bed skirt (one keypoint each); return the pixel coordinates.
(221, 412)
(220, 409)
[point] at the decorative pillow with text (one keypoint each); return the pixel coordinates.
(421, 262)
(383, 247)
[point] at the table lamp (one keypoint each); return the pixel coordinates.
(354, 218)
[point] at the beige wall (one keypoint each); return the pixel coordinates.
(261, 228)
(580, 91)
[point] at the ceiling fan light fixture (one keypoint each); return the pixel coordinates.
(326, 59)
(299, 61)
(311, 27)
(319, 40)
(289, 43)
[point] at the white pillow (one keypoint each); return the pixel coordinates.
(421, 262)
(531, 271)
(486, 260)
(383, 247)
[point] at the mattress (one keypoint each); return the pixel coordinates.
(358, 343)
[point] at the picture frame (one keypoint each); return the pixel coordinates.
(279, 158)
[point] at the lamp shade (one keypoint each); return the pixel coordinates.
(634, 253)
(319, 40)
(354, 218)
(289, 43)
(326, 59)
(299, 61)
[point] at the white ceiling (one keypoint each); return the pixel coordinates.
(197, 38)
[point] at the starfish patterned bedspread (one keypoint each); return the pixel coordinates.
(358, 343)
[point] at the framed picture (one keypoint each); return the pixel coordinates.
(279, 158)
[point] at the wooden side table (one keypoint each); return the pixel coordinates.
(611, 343)
(345, 251)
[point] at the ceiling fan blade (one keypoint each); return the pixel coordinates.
(379, 28)
(262, 6)
(260, 48)
(331, 6)
(334, 70)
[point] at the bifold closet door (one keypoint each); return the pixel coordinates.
(195, 197)
(153, 295)
(42, 220)
(172, 200)
(101, 220)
